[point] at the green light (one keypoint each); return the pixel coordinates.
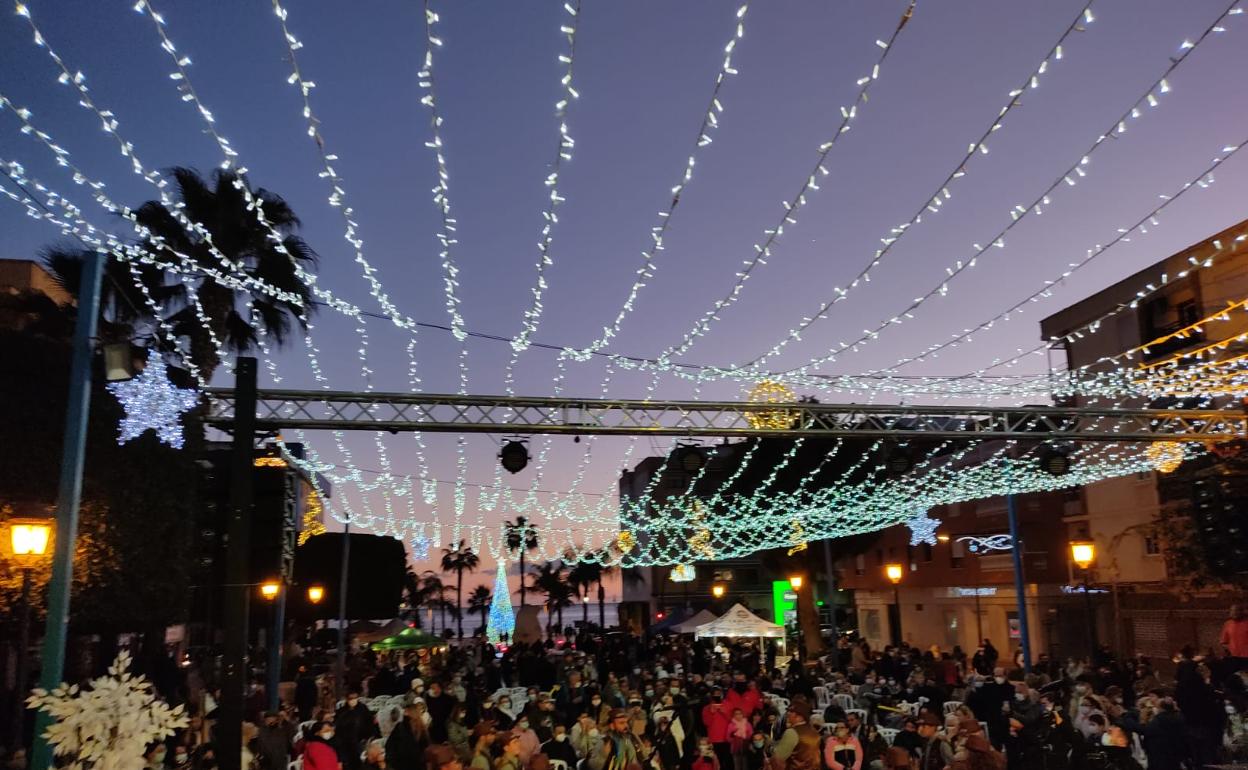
(819, 603)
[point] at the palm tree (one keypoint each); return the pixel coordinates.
(521, 536)
(549, 579)
(582, 575)
(459, 558)
(479, 601)
(217, 202)
(434, 591)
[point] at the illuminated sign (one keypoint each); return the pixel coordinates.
(784, 601)
(958, 591)
(1079, 589)
(987, 543)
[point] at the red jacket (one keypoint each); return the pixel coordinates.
(319, 755)
(717, 717)
(749, 701)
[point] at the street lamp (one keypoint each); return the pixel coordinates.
(795, 581)
(717, 590)
(1083, 553)
(894, 573)
(270, 589)
(29, 541)
(316, 594)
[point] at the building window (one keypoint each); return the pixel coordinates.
(871, 622)
(927, 552)
(1152, 546)
(879, 556)
(860, 564)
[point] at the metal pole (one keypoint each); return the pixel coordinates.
(340, 680)
(237, 588)
(827, 566)
(23, 650)
(69, 493)
(897, 602)
(275, 646)
(979, 618)
(1019, 587)
(1087, 600)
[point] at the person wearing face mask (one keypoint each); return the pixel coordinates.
(1164, 736)
(439, 705)
(585, 735)
(706, 758)
(482, 741)
(154, 757)
(842, 750)
(716, 717)
(989, 705)
(181, 758)
(354, 724)
(405, 748)
(559, 748)
(273, 740)
(529, 742)
(500, 714)
(319, 752)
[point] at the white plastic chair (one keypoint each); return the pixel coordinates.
(781, 704)
(822, 701)
(844, 700)
(888, 734)
(301, 731)
(952, 706)
(295, 764)
(911, 709)
(558, 764)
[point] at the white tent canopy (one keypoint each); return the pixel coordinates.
(739, 621)
(691, 625)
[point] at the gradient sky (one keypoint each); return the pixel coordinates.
(644, 70)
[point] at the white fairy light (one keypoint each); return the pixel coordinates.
(153, 403)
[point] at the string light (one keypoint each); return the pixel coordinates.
(501, 620)
(923, 529)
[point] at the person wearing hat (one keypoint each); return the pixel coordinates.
(797, 719)
(507, 751)
(405, 748)
(619, 747)
(935, 752)
(482, 741)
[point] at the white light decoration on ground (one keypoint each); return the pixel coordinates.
(923, 529)
(152, 402)
(975, 544)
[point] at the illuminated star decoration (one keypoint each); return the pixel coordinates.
(152, 402)
(923, 529)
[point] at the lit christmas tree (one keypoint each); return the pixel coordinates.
(501, 621)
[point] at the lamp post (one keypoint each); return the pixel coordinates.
(29, 540)
(272, 590)
(795, 582)
(1083, 553)
(718, 590)
(316, 594)
(894, 572)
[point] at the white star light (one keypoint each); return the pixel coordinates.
(923, 529)
(152, 402)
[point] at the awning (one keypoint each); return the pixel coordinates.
(738, 622)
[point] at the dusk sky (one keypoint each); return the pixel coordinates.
(644, 71)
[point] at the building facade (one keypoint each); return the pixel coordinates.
(1149, 614)
(962, 590)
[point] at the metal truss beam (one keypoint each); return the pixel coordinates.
(427, 412)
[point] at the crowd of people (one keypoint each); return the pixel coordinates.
(627, 702)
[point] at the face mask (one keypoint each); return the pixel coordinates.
(561, 737)
(523, 724)
(160, 756)
(596, 702)
(1048, 708)
(649, 693)
(327, 734)
(504, 705)
(758, 744)
(707, 752)
(1106, 740)
(180, 757)
(1020, 697)
(739, 687)
(999, 679)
